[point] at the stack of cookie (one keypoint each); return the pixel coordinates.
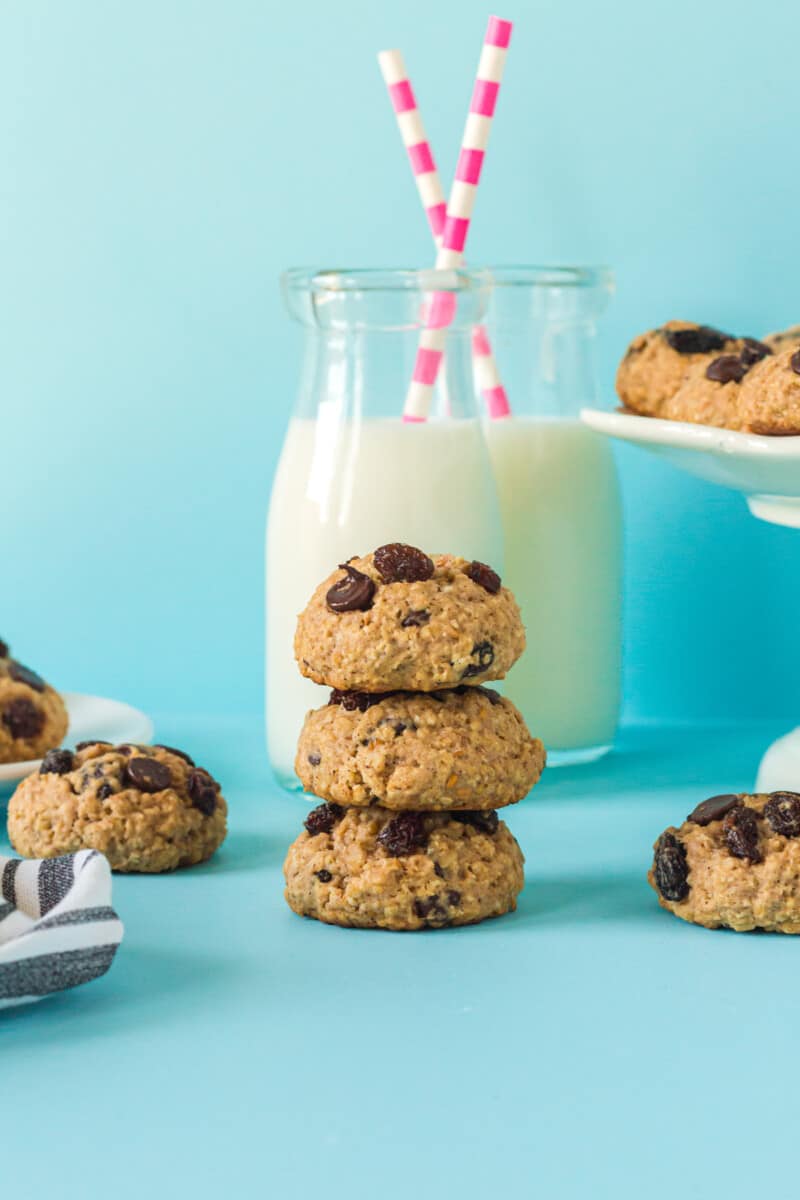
(411, 755)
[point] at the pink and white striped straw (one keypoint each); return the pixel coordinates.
(431, 194)
(415, 139)
(459, 212)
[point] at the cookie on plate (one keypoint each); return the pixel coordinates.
(146, 808)
(462, 749)
(33, 717)
(770, 397)
(400, 620)
(734, 862)
(372, 868)
(711, 392)
(656, 362)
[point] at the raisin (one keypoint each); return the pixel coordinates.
(57, 762)
(323, 818)
(147, 774)
(323, 876)
(24, 675)
(3, 649)
(202, 791)
(671, 868)
(753, 351)
(404, 834)
(713, 809)
(700, 339)
(104, 791)
(484, 821)
(485, 653)
(352, 701)
(492, 696)
(177, 753)
(438, 869)
(399, 728)
(398, 563)
(484, 576)
(794, 362)
(417, 616)
(314, 759)
(782, 810)
(430, 904)
(353, 593)
(729, 368)
(740, 831)
(454, 899)
(23, 719)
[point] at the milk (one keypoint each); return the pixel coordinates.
(560, 508)
(343, 488)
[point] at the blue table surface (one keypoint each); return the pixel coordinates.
(589, 1045)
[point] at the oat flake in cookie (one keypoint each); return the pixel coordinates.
(735, 863)
(467, 748)
(399, 619)
(146, 808)
(371, 868)
(33, 717)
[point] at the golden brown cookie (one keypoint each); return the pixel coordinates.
(33, 718)
(710, 394)
(783, 338)
(371, 868)
(734, 862)
(656, 362)
(146, 808)
(770, 395)
(462, 749)
(399, 620)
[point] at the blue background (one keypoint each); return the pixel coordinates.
(161, 163)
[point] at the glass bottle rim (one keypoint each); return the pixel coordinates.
(328, 281)
(537, 275)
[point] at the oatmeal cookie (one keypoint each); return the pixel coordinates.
(32, 714)
(734, 862)
(711, 393)
(770, 396)
(656, 362)
(146, 808)
(371, 868)
(783, 338)
(399, 620)
(463, 749)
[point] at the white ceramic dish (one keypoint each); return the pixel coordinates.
(89, 717)
(765, 469)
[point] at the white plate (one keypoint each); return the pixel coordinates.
(765, 469)
(90, 717)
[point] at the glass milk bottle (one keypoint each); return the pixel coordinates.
(560, 505)
(353, 475)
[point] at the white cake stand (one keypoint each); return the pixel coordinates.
(766, 470)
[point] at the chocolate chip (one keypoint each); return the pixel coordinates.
(670, 867)
(484, 821)
(357, 701)
(713, 809)
(353, 593)
(177, 753)
(753, 351)
(23, 718)
(3, 649)
(794, 362)
(57, 762)
(484, 576)
(93, 742)
(24, 675)
(315, 759)
(202, 791)
(398, 563)
(404, 834)
(740, 831)
(782, 810)
(417, 616)
(323, 818)
(423, 908)
(454, 899)
(104, 791)
(147, 774)
(701, 339)
(323, 876)
(729, 368)
(485, 653)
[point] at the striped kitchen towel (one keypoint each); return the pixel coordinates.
(57, 926)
